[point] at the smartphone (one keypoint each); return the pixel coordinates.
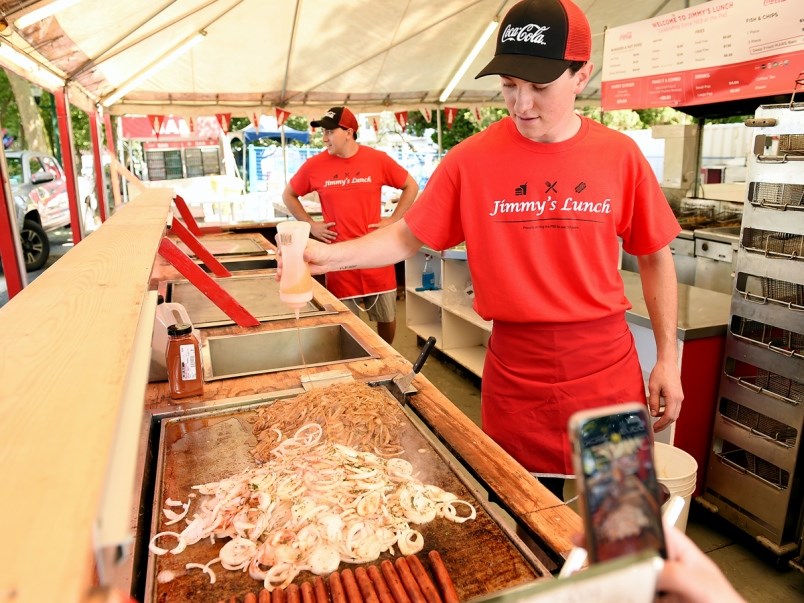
(619, 495)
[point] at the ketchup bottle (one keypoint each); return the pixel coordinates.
(183, 360)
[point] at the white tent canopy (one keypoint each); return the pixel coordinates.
(302, 55)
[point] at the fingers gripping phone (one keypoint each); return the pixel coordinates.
(619, 495)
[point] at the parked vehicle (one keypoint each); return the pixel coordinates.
(40, 196)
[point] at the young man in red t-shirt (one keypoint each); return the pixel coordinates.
(349, 178)
(541, 198)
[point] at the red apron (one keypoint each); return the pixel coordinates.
(537, 375)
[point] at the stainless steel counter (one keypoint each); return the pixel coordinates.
(701, 312)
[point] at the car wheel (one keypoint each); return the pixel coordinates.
(35, 245)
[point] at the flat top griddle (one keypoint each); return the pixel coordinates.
(481, 556)
(259, 294)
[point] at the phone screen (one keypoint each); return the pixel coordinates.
(621, 495)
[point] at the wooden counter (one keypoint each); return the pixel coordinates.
(67, 345)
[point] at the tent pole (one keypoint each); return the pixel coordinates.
(245, 171)
(284, 153)
(438, 129)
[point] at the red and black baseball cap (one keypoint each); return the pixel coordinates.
(538, 39)
(337, 117)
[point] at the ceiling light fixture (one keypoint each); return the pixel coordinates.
(149, 71)
(33, 71)
(468, 61)
(43, 12)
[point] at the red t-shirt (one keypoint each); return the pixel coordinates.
(541, 220)
(350, 193)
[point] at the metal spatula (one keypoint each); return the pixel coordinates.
(403, 381)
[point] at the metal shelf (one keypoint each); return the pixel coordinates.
(754, 476)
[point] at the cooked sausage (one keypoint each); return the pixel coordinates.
(448, 592)
(394, 583)
(278, 595)
(423, 579)
(379, 584)
(292, 594)
(413, 590)
(307, 594)
(350, 586)
(265, 596)
(320, 590)
(250, 598)
(336, 588)
(366, 587)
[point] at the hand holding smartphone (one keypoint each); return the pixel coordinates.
(619, 495)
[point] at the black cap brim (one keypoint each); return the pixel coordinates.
(325, 122)
(531, 69)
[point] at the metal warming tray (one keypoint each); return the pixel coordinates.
(244, 263)
(257, 293)
(229, 356)
(483, 556)
(228, 246)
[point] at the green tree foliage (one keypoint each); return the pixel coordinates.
(9, 114)
(640, 119)
(10, 119)
(465, 124)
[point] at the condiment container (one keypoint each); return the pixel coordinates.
(166, 314)
(183, 359)
(296, 284)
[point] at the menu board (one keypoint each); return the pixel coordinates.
(714, 52)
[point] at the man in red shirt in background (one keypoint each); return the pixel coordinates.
(348, 179)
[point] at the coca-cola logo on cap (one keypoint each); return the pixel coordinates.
(531, 32)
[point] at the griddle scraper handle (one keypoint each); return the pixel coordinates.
(428, 345)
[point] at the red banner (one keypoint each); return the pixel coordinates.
(224, 120)
(428, 115)
(255, 120)
(450, 113)
(156, 122)
(402, 118)
(281, 116)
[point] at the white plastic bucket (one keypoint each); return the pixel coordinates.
(678, 471)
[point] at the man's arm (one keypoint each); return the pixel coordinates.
(660, 290)
(409, 191)
(381, 247)
(320, 230)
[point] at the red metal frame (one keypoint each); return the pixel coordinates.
(186, 215)
(100, 189)
(66, 138)
(205, 284)
(13, 267)
(189, 239)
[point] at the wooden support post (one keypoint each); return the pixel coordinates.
(97, 159)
